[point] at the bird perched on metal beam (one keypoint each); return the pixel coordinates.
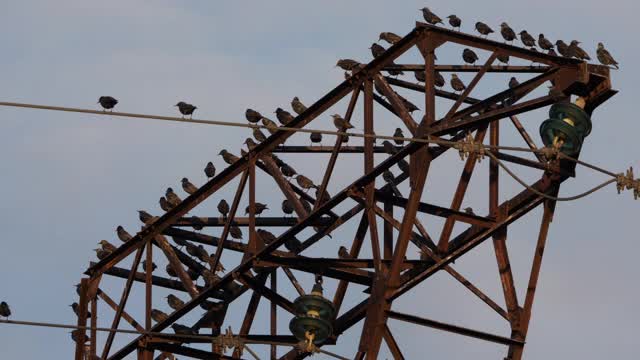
(347, 64)
(297, 106)
(283, 116)
(164, 204)
(563, 49)
(305, 182)
(107, 246)
(544, 43)
(343, 253)
(101, 254)
(503, 58)
(577, 51)
(388, 147)
(305, 204)
(272, 127)
(287, 170)
(294, 245)
(605, 57)
(287, 207)
(107, 102)
(158, 316)
(174, 302)
(430, 17)
(513, 82)
(483, 28)
(188, 187)
(266, 236)
(183, 330)
(79, 336)
(145, 217)
(210, 170)
(389, 37)
(507, 32)
(123, 235)
(172, 198)
(456, 83)
(377, 50)
(76, 307)
(252, 116)
(403, 165)
(250, 143)
(223, 208)
(153, 266)
(259, 208)
(527, 39)
(454, 21)
(228, 157)
(235, 232)
(259, 135)
(469, 56)
(340, 123)
(186, 108)
(170, 271)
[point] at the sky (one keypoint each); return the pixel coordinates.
(69, 179)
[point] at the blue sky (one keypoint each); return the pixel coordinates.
(68, 180)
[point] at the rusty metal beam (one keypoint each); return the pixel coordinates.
(469, 68)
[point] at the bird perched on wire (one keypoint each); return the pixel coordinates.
(107, 246)
(577, 51)
(389, 37)
(400, 134)
(483, 28)
(123, 235)
(430, 17)
(605, 57)
(210, 170)
(252, 116)
(153, 266)
(183, 330)
(235, 232)
(347, 64)
(259, 208)
(174, 302)
(340, 123)
(513, 82)
(343, 253)
(456, 83)
(287, 207)
(223, 208)
(188, 187)
(503, 58)
(377, 50)
(266, 236)
(272, 127)
(507, 32)
(305, 182)
(454, 21)
(75, 307)
(164, 204)
(469, 56)
(544, 43)
(527, 39)
(186, 108)
(297, 106)
(315, 137)
(158, 316)
(563, 49)
(228, 157)
(283, 116)
(259, 135)
(107, 102)
(172, 198)
(145, 217)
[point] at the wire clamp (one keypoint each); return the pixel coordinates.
(626, 181)
(468, 147)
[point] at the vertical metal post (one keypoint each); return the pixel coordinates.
(274, 314)
(82, 319)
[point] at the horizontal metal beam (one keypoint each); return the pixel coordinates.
(244, 221)
(327, 149)
(469, 68)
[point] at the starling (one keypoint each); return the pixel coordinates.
(223, 208)
(604, 57)
(390, 37)
(340, 123)
(192, 250)
(430, 17)
(287, 207)
(305, 182)
(272, 127)
(197, 223)
(469, 56)
(212, 306)
(76, 307)
(483, 28)
(305, 205)
(398, 133)
(158, 316)
(439, 79)
(250, 143)
(107, 246)
(277, 160)
(315, 137)
(179, 241)
(577, 51)
(123, 235)
(183, 330)
(172, 198)
(388, 147)
(185, 109)
(411, 107)
(283, 116)
(343, 253)
(388, 177)
(174, 302)
(454, 21)
(297, 106)
(202, 254)
(527, 39)
(235, 232)
(287, 170)
(324, 197)
(266, 236)
(456, 83)
(377, 50)
(78, 335)
(164, 204)
(563, 49)
(469, 211)
(107, 102)
(228, 157)
(153, 266)
(101, 254)
(294, 245)
(552, 52)
(259, 207)
(259, 135)
(503, 58)
(344, 139)
(209, 277)
(544, 43)
(145, 217)
(347, 64)
(170, 271)
(188, 187)
(403, 165)
(252, 116)
(4, 310)
(210, 170)
(420, 76)
(513, 82)
(507, 32)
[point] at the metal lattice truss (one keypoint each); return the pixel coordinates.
(388, 274)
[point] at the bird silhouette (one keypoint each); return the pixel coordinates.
(438, 79)
(170, 271)
(252, 116)
(188, 187)
(123, 235)
(266, 236)
(507, 32)
(503, 58)
(287, 170)
(101, 254)
(145, 217)
(456, 83)
(398, 133)
(483, 28)
(287, 207)
(454, 21)
(315, 137)
(174, 302)
(544, 43)
(172, 198)
(605, 57)
(75, 307)
(183, 330)
(305, 182)
(210, 170)
(164, 204)
(235, 232)
(223, 208)
(388, 147)
(420, 76)
(259, 135)
(107, 246)
(469, 56)
(343, 253)
(403, 165)
(377, 50)
(340, 123)
(283, 116)
(409, 106)
(577, 51)
(185, 108)
(228, 157)
(250, 143)
(430, 17)
(79, 336)
(158, 316)
(294, 245)
(305, 204)
(527, 39)
(563, 49)
(388, 177)
(259, 208)
(107, 102)
(153, 266)
(389, 37)
(324, 197)
(197, 223)
(272, 127)
(5, 311)
(513, 82)
(297, 106)
(347, 64)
